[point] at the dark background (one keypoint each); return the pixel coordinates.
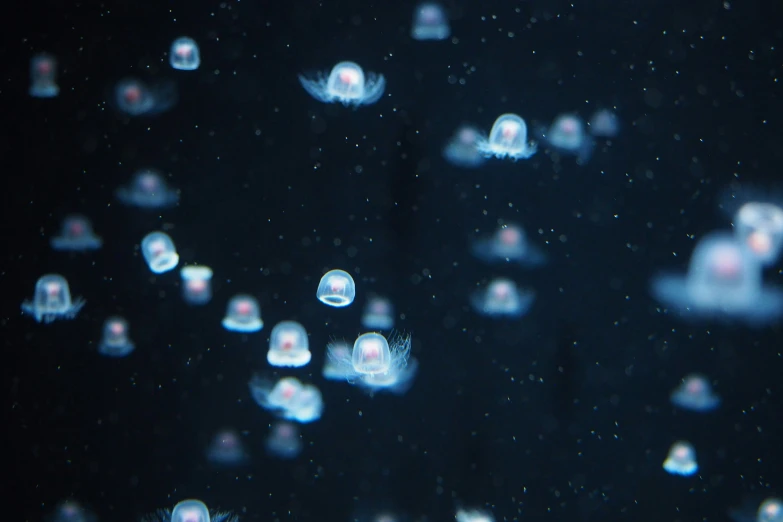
(277, 187)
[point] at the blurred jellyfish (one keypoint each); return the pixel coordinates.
(159, 252)
(76, 235)
(473, 515)
(759, 226)
(190, 511)
(243, 314)
(71, 511)
(227, 449)
(695, 394)
(508, 138)
(184, 54)
(373, 357)
(567, 135)
(502, 298)
(284, 440)
(398, 380)
(133, 97)
(722, 280)
(346, 84)
(461, 150)
(336, 289)
(509, 243)
(604, 123)
(681, 459)
(288, 345)
(430, 22)
(288, 398)
(196, 284)
(115, 341)
(148, 190)
(43, 76)
(52, 300)
(768, 510)
(378, 314)
(335, 372)
(308, 405)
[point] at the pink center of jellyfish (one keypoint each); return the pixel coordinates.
(53, 289)
(337, 284)
(288, 392)
(157, 248)
(681, 453)
(148, 182)
(243, 308)
(117, 328)
(184, 51)
(371, 350)
(568, 126)
(76, 228)
(509, 130)
(287, 341)
(197, 285)
(510, 236)
(349, 76)
(726, 263)
(695, 386)
(44, 66)
(132, 94)
(191, 516)
(501, 291)
(759, 242)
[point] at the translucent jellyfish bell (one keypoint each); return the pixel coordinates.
(372, 355)
(274, 395)
(681, 459)
(759, 226)
(159, 252)
(604, 123)
(473, 515)
(567, 134)
(243, 314)
(288, 345)
(770, 510)
(695, 394)
(43, 76)
(184, 54)
(52, 300)
(134, 97)
(345, 84)
(507, 139)
(336, 289)
(462, 151)
(76, 235)
(502, 298)
(115, 341)
(196, 284)
(430, 22)
(378, 314)
(191, 510)
(511, 244)
(71, 511)
(148, 189)
(284, 440)
(227, 449)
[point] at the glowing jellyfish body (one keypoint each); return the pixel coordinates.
(473, 515)
(288, 345)
(191, 510)
(462, 150)
(115, 341)
(133, 97)
(722, 280)
(148, 190)
(502, 298)
(345, 84)
(159, 252)
(430, 22)
(378, 314)
(184, 54)
(43, 76)
(604, 123)
(52, 300)
(76, 234)
(71, 511)
(770, 510)
(398, 380)
(288, 398)
(373, 357)
(510, 244)
(196, 284)
(681, 459)
(227, 449)
(567, 135)
(243, 314)
(284, 440)
(759, 226)
(336, 288)
(507, 139)
(695, 394)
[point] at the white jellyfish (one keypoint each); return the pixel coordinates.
(681, 459)
(43, 76)
(345, 84)
(227, 449)
(159, 252)
(373, 357)
(243, 314)
(398, 380)
(695, 394)
(148, 189)
(196, 284)
(473, 515)
(288, 398)
(71, 511)
(507, 139)
(336, 288)
(567, 135)
(115, 341)
(462, 151)
(759, 226)
(284, 440)
(502, 298)
(511, 244)
(184, 54)
(430, 22)
(76, 235)
(378, 314)
(52, 300)
(604, 123)
(288, 345)
(190, 510)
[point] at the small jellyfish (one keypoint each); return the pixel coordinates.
(398, 380)
(508, 138)
(190, 511)
(604, 123)
(148, 190)
(681, 459)
(76, 235)
(52, 300)
(336, 289)
(510, 244)
(759, 226)
(346, 84)
(695, 394)
(462, 151)
(430, 22)
(243, 314)
(159, 252)
(284, 440)
(307, 406)
(115, 341)
(567, 135)
(71, 511)
(473, 515)
(133, 97)
(502, 298)
(288, 398)
(184, 54)
(378, 314)
(372, 356)
(227, 449)
(196, 284)
(770, 510)
(288, 345)
(340, 351)
(43, 76)
(723, 280)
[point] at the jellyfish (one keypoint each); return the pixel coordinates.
(346, 84)
(336, 289)
(461, 150)
(284, 440)
(507, 139)
(510, 244)
(759, 227)
(502, 298)
(770, 510)
(288, 345)
(227, 449)
(695, 394)
(430, 22)
(567, 135)
(190, 511)
(339, 350)
(159, 252)
(243, 315)
(148, 190)
(76, 235)
(288, 398)
(52, 300)
(398, 380)
(681, 459)
(196, 284)
(115, 341)
(604, 123)
(373, 357)
(134, 97)
(43, 76)
(184, 54)
(473, 515)
(378, 314)
(71, 511)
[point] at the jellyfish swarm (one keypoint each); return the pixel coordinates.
(227, 449)
(695, 394)
(43, 76)
(288, 345)
(115, 341)
(507, 139)
(502, 298)
(604, 123)
(134, 97)
(284, 440)
(287, 398)
(430, 22)
(190, 511)
(462, 151)
(681, 459)
(196, 284)
(52, 300)
(509, 243)
(336, 288)
(148, 190)
(243, 315)
(567, 135)
(723, 280)
(759, 226)
(184, 54)
(373, 358)
(378, 314)
(345, 84)
(159, 252)
(76, 235)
